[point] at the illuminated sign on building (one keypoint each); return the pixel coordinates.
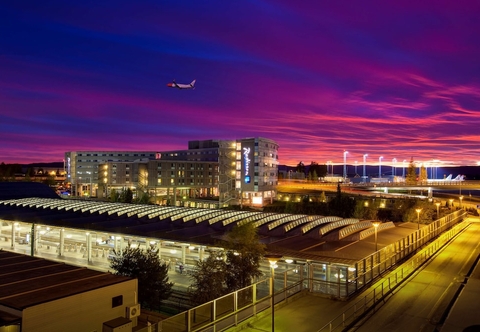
(246, 164)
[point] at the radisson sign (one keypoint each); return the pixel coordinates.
(246, 164)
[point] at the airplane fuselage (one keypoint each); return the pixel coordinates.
(182, 86)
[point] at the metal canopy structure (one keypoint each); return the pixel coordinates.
(201, 226)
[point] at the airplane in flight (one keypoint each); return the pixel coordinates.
(182, 86)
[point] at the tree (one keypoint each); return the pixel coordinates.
(341, 205)
(142, 198)
(152, 275)
(301, 168)
(244, 251)
(208, 279)
(229, 270)
(126, 196)
(411, 174)
(114, 196)
(423, 174)
(323, 198)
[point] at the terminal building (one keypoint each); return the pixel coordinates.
(210, 173)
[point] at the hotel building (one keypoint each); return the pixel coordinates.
(243, 171)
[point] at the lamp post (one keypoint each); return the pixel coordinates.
(345, 165)
(364, 167)
(90, 173)
(273, 264)
(418, 217)
(375, 225)
(403, 174)
(438, 209)
(380, 166)
(394, 163)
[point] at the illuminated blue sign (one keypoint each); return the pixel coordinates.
(246, 164)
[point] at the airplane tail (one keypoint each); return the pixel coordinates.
(459, 178)
(193, 83)
(449, 178)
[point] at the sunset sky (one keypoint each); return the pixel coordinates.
(398, 79)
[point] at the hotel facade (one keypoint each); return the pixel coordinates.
(210, 173)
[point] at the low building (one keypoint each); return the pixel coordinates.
(42, 295)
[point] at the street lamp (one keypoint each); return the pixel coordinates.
(345, 165)
(380, 166)
(418, 217)
(364, 167)
(394, 163)
(273, 264)
(90, 173)
(438, 209)
(375, 225)
(404, 162)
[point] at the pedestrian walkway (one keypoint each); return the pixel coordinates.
(308, 312)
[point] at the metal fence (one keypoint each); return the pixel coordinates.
(389, 283)
(339, 282)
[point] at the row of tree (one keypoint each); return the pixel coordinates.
(222, 272)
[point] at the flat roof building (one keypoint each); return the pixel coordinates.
(242, 172)
(42, 295)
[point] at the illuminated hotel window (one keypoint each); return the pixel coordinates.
(239, 146)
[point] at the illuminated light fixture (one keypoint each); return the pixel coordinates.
(191, 247)
(289, 261)
(69, 236)
(352, 269)
(173, 251)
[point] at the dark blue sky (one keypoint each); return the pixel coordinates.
(397, 79)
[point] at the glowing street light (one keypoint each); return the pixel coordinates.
(394, 163)
(380, 166)
(375, 225)
(273, 264)
(345, 165)
(438, 209)
(364, 167)
(418, 217)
